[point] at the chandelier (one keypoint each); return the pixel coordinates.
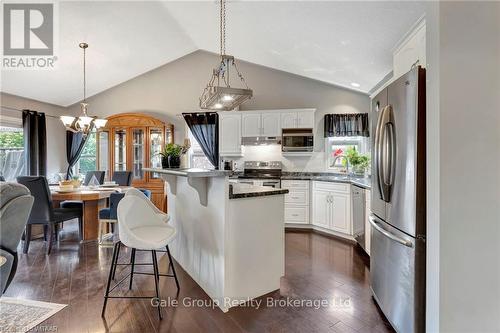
(218, 94)
(84, 123)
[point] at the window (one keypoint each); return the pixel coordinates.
(88, 158)
(197, 158)
(337, 146)
(11, 152)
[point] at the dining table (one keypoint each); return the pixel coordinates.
(93, 199)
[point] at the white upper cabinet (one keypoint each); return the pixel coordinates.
(305, 120)
(289, 120)
(230, 133)
(298, 119)
(410, 51)
(264, 123)
(271, 124)
(251, 124)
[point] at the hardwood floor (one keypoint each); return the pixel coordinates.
(317, 268)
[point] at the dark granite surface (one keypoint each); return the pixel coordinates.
(237, 191)
(327, 177)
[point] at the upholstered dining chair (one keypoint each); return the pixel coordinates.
(15, 207)
(43, 212)
(122, 178)
(140, 228)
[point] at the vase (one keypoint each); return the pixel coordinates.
(358, 171)
(174, 161)
(164, 162)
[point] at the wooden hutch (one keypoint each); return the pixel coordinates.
(132, 141)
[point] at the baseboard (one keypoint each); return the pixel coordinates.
(320, 231)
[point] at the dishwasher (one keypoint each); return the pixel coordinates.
(358, 214)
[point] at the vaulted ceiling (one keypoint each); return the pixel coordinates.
(338, 42)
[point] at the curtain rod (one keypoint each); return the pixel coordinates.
(14, 109)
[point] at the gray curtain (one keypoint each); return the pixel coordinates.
(205, 129)
(74, 146)
(351, 124)
(35, 143)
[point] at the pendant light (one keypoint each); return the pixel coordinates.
(84, 123)
(219, 95)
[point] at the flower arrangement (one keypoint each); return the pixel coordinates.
(359, 162)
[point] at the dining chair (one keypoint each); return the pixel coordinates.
(99, 175)
(140, 228)
(44, 213)
(122, 178)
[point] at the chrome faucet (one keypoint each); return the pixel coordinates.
(346, 162)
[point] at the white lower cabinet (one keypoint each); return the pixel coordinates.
(321, 208)
(296, 201)
(331, 207)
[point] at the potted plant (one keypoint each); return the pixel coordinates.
(164, 157)
(171, 155)
(358, 162)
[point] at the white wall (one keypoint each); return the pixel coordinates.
(56, 133)
(174, 88)
(463, 167)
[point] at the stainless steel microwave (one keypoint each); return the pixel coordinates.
(297, 140)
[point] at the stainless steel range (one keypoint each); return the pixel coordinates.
(262, 173)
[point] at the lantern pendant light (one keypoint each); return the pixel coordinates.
(84, 123)
(218, 94)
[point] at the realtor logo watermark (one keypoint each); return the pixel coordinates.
(28, 36)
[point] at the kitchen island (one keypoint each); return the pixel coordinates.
(230, 236)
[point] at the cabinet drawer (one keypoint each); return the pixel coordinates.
(297, 197)
(297, 214)
(291, 184)
(334, 187)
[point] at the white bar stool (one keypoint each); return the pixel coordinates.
(140, 227)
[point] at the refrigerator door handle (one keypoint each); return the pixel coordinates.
(374, 223)
(391, 168)
(377, 154)
(385, 153)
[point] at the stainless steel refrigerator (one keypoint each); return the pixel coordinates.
(398, 208)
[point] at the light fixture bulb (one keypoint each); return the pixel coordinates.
(227, 98)
(85, 121)
(67, 120)
(98, 123)
(218, 105)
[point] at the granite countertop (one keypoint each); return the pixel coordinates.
(237, 191)
(191, 172)
(328, 177)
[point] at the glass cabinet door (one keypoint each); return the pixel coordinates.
(120, 150)
(138, 152)
(155, 147)
(103, 152)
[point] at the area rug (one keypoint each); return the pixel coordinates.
(21, 315)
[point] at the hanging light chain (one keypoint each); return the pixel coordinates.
(84, 77)
(222, 27)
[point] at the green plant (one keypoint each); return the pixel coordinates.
(357, 160)
(173, 149)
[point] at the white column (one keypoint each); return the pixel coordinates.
(463, 132)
